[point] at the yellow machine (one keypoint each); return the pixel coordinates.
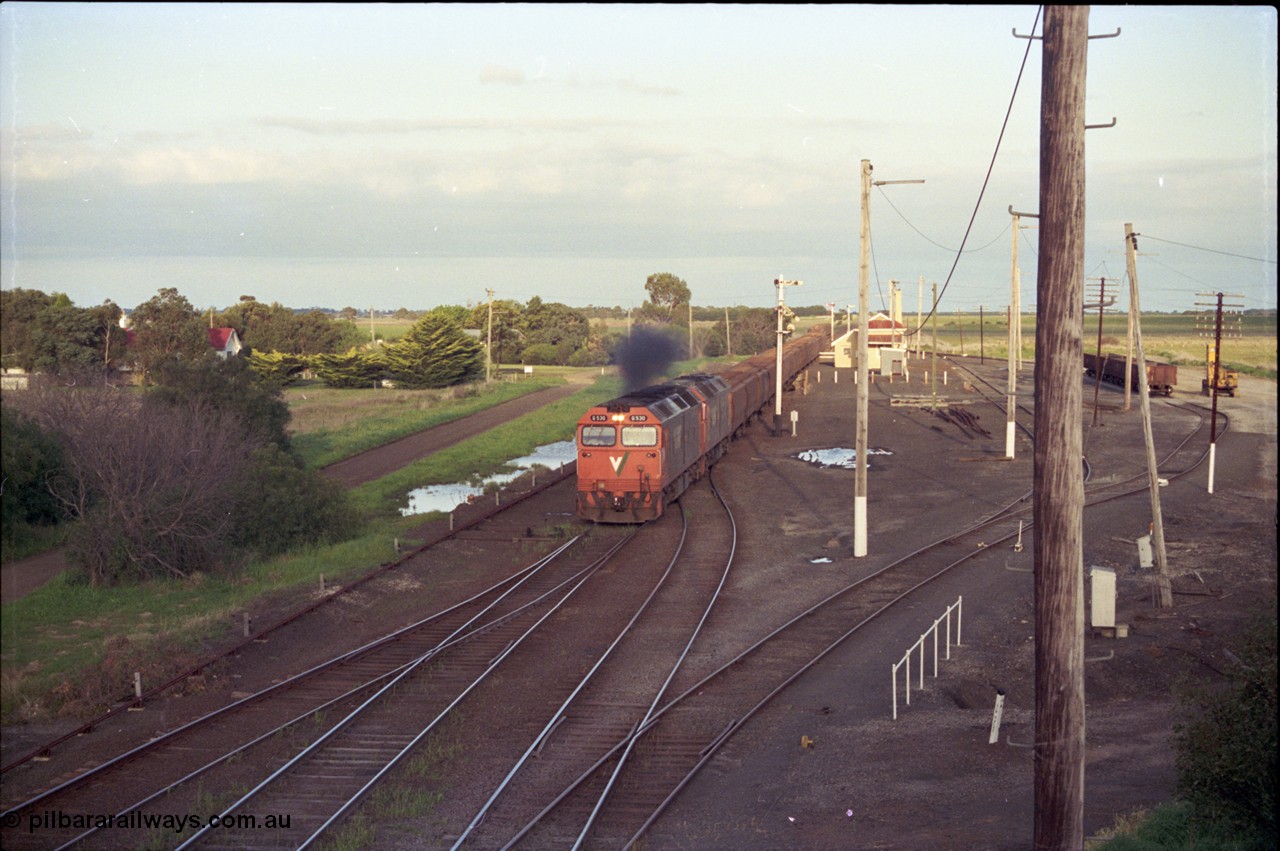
(1228, 379)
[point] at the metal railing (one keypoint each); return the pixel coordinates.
(905, 661)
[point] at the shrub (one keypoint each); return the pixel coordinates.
(1226, 749)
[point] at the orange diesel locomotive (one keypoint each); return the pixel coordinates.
(641, 450)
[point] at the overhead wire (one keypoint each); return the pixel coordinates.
(987, 179)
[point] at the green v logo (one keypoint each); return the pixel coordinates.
(619, 462)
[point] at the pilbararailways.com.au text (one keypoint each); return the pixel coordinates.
(138, 820)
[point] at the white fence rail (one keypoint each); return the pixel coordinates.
(905, 661)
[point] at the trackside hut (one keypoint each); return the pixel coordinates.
(882, 333)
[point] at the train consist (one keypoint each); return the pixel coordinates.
(638, 452)
(1161, 377)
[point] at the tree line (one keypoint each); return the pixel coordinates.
(194, 472)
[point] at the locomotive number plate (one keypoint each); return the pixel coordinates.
(599, 418)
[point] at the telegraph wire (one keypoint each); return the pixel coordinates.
(1210, 250)
(991, 167)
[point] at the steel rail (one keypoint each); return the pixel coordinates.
(441, 647)
(697, 630)
(559, 714)
(573, 583)
(476, 518)
(290, 682)
(738, 723)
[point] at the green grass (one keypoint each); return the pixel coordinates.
(1172, 338)
(485, 453)
(68, 647)
(330, 424)
(1170, 826)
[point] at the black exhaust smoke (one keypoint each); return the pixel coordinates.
(645, 356)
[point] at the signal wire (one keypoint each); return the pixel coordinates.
(986, 180)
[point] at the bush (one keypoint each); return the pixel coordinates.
(1226, 749)
(282, 505)
(29, 457)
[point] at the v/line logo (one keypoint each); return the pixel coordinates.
(619, 462)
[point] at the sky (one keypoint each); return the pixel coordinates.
(402, 155)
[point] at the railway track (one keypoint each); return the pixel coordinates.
(580, 783)
(681, 737)
(643, 756)
(148, 776)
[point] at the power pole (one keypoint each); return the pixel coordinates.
(1102, 305)
(1214, 360)
(690, 329)
(933, 369)
(488, 351)
(1058, 498)
(919, 319)
(1015, 338)
(863, 376)
(728, 338)
(982, 336)
(783, 312)
(860, 378)
(1144, 399)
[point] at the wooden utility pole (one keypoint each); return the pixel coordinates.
(488, 351)
(1102, 306)
(690, 329)
(728, 338)
(1144, 399)
(1058, 498)
(982, 336)
(933, 370)
(861, 378)
(1015, 336)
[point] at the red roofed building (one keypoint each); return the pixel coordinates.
(225, 341)
(882, 333)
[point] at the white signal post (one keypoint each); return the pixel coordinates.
(862, 377)
(781, 284)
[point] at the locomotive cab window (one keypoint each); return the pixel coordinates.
(599, 435)
(639, 436)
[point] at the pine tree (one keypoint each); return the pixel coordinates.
(351, 369)
(436, 352)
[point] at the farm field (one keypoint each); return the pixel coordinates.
(1172, 338)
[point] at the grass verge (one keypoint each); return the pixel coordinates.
(71, 649)
(329, 425)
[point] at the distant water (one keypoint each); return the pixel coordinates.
(448, 497)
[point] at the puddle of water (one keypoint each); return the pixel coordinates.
(847, 458)
(448, 497)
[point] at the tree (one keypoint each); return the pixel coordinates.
(29, 456)
(276, 328)
(282, 505)
(557, 331)
(666, 291)
(148, 484)
(167, 328)
(231, 386)
(753, 330)
(508, 338)
(351, 369)
(19, 309)
(435, 352)
(47, 333)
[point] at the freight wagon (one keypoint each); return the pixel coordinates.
(1161, 377)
